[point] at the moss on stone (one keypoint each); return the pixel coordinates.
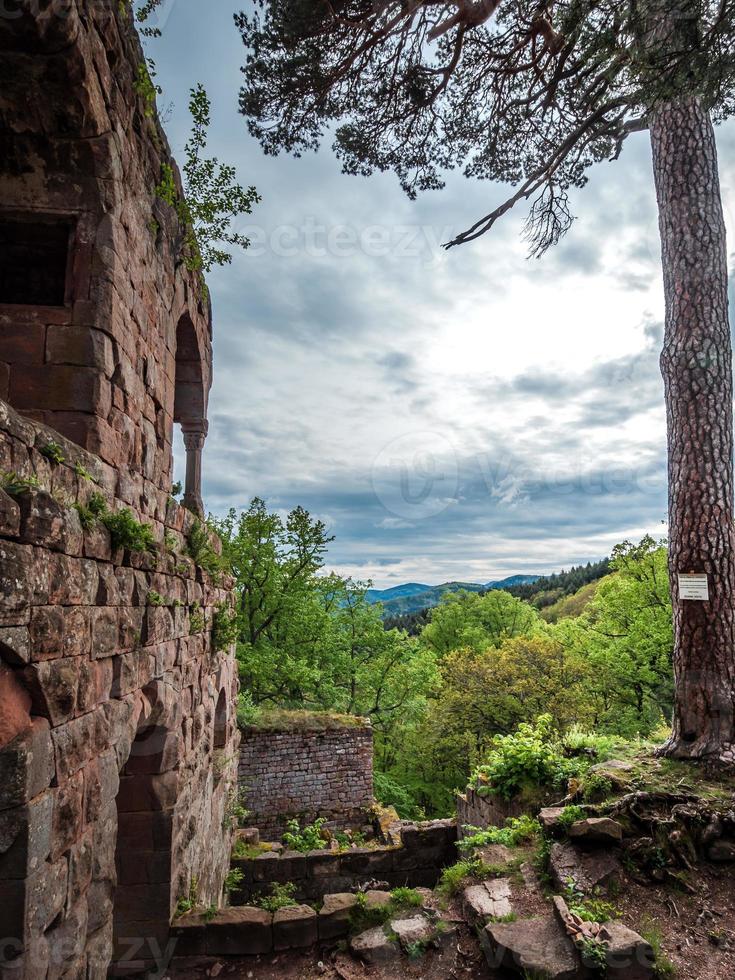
(281, 720)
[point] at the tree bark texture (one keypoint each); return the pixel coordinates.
(696, 364)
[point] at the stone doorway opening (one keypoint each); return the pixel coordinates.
(143, 858)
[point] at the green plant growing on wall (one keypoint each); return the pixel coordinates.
(308, 839)
(81, 472)
(212, 197)
(281, 897)
(15, 484)
(126, 532)
(197, 621)
(199, 549)
(233, 880)
(145, 87)
(517, 830)
(53, 452)
(86, 518)
(224, 628)
(236, 813)
(155, 599)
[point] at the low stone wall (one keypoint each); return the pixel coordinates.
(474, 810)
(425, 849)
(305, 774)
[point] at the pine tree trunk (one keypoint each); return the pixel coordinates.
(696, 364)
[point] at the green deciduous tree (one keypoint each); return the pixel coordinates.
(533, 92)
(473, 621)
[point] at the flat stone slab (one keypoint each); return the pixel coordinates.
(489, 900)
(414, 929)
(334, 915)
(586, 870)
(495, 855)
(596, 830)
(240, 931)
(374, 947)
(294, 927)
(538, 946)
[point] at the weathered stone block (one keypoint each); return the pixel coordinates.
(53, 687)
(9, 516)
(190, 934)
(26, 765)
(143, 793)
(68, 815)
(25, 837)
(334, 915)
(15, 643)
(294, 927)
(242, 931)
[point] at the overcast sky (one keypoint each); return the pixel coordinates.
(462, 415)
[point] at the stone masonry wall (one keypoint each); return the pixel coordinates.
(128, 350)
(306, 774)
(117, 733)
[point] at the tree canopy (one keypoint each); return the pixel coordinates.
(528, 92)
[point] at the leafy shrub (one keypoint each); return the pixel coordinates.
(390, 792)
(248, 711)
(199, 548)
(82, 472)
(406, 898)
(281, 897)
(308, 839)
(533, 756)
(455, 877)
(155, 599)
(224, 628)
(663, 968)
(517, 830)
(577, 741)
(594, 955)
(233, 880)
(570, 815)
(596, 787)
(125, 531)
(86, 518)
(589, 909)
(197, 621)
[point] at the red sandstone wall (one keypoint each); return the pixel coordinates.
(92, 820)
(78, 141)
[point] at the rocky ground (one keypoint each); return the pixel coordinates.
(647, 877)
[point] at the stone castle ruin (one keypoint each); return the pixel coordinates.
(118, 740)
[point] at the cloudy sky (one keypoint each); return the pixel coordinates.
(463, 415)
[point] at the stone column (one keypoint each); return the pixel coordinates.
(194, 435)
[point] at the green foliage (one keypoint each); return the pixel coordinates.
(87, 519)
(596, 787)
(209, 913)
(197, 622)
(212, 197)
(154, 599)
(233, 879)
(145, 87)
(236, 813)
(531, 757)
(589, 909)
(224, 627)
(406, 898)
(455, 877)
(310, 838)
(663, 968)
(281, 897)
(53, 452)
(247, 711)
(176, 488)
(517, 830)
(471, 621)
(82, 472)
(15, 484)
(188, 902)
(594, 954)
(570, 815)
(199, 549)
(170, 542)
(97, 504)
(390, 792)
(126, 532)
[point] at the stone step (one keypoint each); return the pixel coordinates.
(488, 900)
(532, 947)
(585, 870)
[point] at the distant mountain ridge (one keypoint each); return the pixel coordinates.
(412, 596)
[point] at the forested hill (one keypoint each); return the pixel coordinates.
(549, 589)
(542, 592)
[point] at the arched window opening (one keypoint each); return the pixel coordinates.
(190, 409)
(220, 722)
